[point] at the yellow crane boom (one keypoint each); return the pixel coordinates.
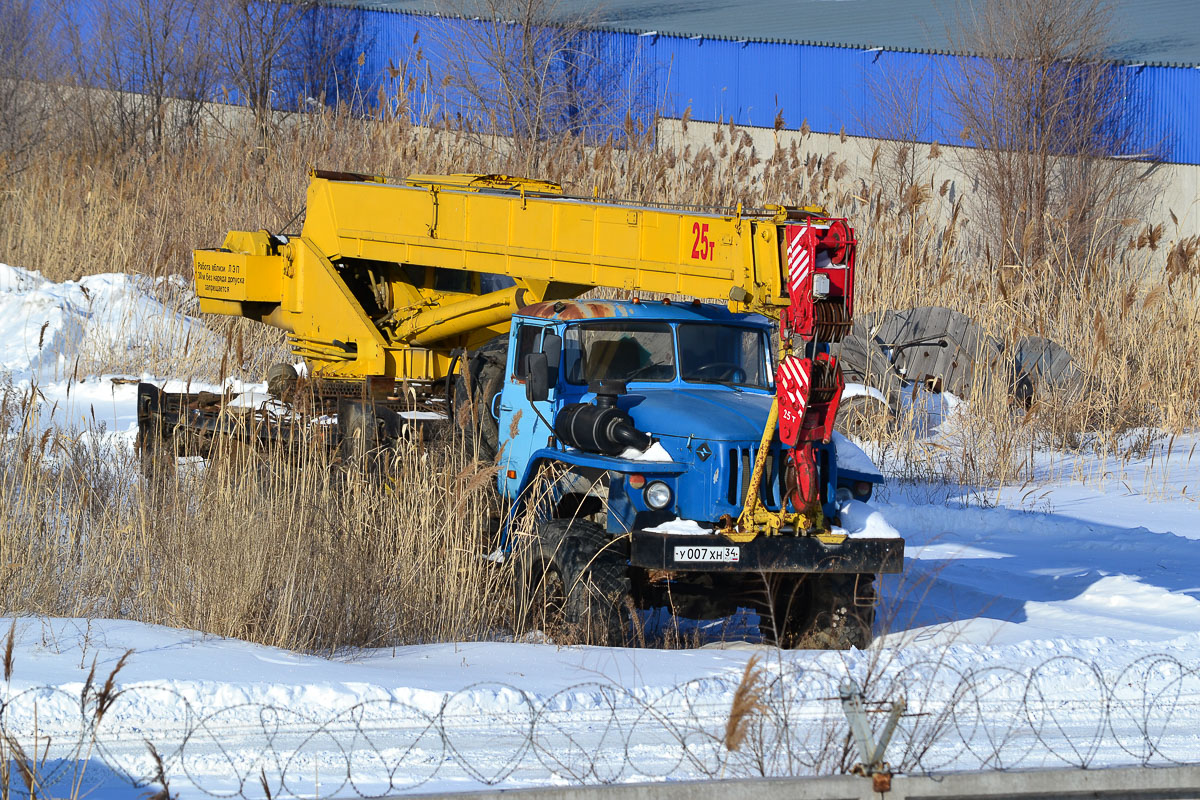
(387, 279)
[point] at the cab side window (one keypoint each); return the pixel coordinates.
(528, 340)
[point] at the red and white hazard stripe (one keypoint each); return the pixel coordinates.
(799, 264)
(795, 383)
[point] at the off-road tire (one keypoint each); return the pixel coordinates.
(369, 434)
(820, 612)
(475, 399)
(572, 582)
(282, 380)
(156, 457)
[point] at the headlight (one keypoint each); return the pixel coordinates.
(658, 495)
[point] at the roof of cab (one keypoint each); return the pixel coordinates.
(647, 310)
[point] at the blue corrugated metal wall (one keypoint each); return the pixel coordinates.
(831, 88)
(405, 58)
(1170, 97)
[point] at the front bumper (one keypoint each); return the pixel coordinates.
(769, 554)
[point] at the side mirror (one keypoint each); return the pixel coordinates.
(537, 377)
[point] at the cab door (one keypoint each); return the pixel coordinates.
(526, 425)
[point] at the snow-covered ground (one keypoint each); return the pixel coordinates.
(1055, 624)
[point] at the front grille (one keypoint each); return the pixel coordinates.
(741, 467)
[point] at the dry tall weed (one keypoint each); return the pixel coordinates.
(284, 548)
(747, 703)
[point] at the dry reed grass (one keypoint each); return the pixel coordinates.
(746, 704)
(285, 549)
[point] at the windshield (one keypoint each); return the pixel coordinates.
(645, 351)
(720, 354)
(619, 351)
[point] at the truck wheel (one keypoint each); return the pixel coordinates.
(573, 583)
(156, 457)
(821, 612)
(475, 398)
(367, 434)
(282, 380)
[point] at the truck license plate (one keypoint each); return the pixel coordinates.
(703, 553)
